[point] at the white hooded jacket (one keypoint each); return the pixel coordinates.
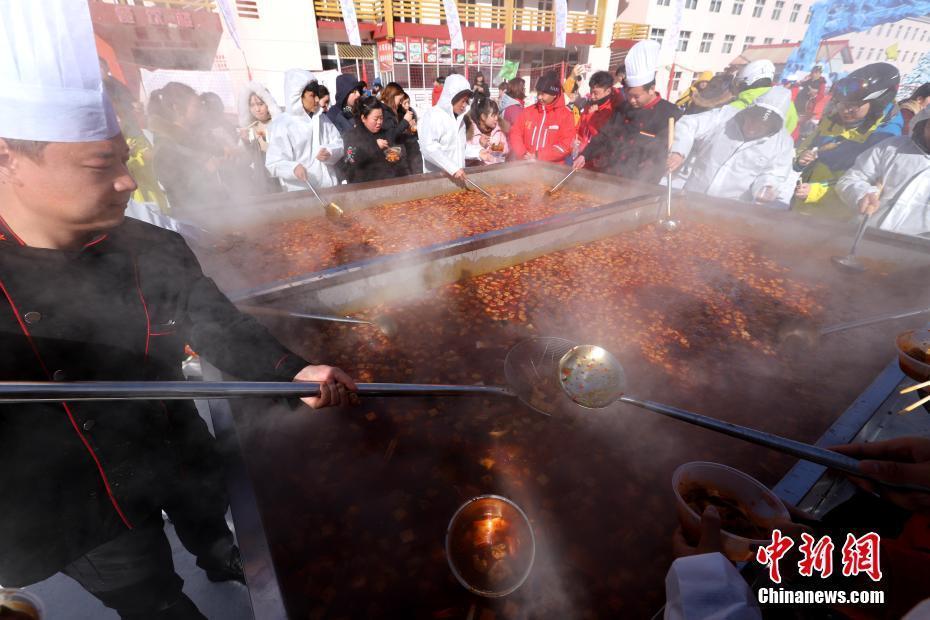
(295, 137)
(443, 140)
(903, 169)
(728, 166)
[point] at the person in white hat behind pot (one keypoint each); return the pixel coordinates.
(754, 80)
(739, 154)
(87, 294)
(634, 143)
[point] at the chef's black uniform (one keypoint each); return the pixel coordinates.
(634, 142)
(76, 477)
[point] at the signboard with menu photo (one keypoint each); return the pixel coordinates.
(385, 56)
(445, 52)
(498, 53)
(430, 51)
(415, 50)
(484, 53)
(400, 50)
(471, 52)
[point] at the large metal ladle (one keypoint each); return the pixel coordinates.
(810, 335)
(850, 262)
(385, 324)
(593, 378)
(331, 209)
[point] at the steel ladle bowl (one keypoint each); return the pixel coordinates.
(490, 546)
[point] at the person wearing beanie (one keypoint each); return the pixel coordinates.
(891, 183)
(87, 294)
(546, 129)
(634, 144)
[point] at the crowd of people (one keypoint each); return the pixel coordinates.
(833, 147)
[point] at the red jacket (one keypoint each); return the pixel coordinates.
(596, 116)
(546, 131)
(437, 91)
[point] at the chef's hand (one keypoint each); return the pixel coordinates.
(382, 143)
(300, 172)
(710, 541)
(869, 203)
(905, 460)
(579, 162)
(459, 175)
(323, 155)
(802, 190)
(674, 161)
(807, 157)
(767, 194)
(336, 387)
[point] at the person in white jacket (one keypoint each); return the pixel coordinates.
(739, 154)
(442, 133)
(303, 144)
(891, 182)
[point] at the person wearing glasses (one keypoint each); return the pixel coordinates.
(862, 114)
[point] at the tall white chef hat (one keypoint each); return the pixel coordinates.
(50, 84)
(642, 61)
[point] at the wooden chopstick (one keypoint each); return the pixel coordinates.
(910, 408)
(914, 388)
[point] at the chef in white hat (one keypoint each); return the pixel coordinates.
(86, 295)
(634, 143)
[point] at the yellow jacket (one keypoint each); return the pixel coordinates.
(141, 168)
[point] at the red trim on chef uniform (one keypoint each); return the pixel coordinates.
(4, 227)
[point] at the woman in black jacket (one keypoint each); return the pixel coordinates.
(369, 153)
(400, 125)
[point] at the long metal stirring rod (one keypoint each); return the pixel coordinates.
(555, 187)
(798, 449)
(260, 310)
(478, 187)
(19, 392)
(880, 318)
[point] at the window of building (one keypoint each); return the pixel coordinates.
(768, 41)
(914, 36)
(715, 6)
(795, 11)
(898, 36)
(776, 12)
(676, 80)
(728, 42)
(810, 12)
(859, 53)
(247, 8)
(657, 34)
(786, 40)
(749, 41)
(664, 2)
(706, 41)
(683, 38)
(690, 4)
(888, 29)
(757, 10)
(738, 7)
(923, 36)
(871, 53)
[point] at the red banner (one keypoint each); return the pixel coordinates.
(385, 56)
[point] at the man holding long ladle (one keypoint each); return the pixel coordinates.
(87, 295)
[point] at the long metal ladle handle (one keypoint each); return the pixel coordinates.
(859, 234)
(262, 311)
(478, 187)
(671, 141)
(880, 318)
(42, 391)
(312, 189)
(798, 449)
(560, 183)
